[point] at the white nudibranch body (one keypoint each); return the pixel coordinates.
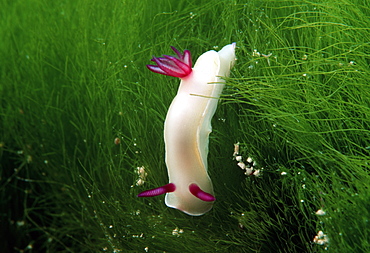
(188, 125)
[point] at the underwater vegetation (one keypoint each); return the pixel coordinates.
(81, 126)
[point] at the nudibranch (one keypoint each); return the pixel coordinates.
(188, 125)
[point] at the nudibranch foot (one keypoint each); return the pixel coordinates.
(202, 195)
(172, 66)
(158, 191)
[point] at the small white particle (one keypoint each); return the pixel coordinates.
(320, 212)
(257, 173)
(256, 53)
(321, 238)
(241, 165)
(140, 182)
(236, 149)
(248, 171)
(20, 223)
(175, 231)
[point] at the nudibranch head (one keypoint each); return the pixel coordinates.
(179, 66)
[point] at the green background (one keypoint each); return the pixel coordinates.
(73, 78)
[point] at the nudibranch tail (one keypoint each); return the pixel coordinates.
(172, 66)
(202, 195)
(158, 191)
